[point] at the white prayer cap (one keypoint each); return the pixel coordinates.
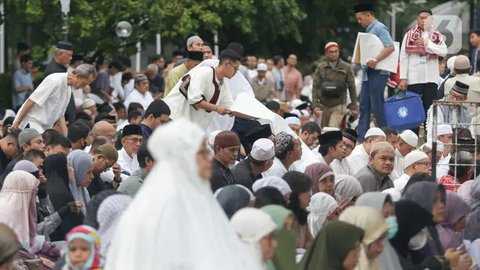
(409, 137)
(451, 62)
(261, 67)
(296, 102)
(263, 149)
(327, 129)
(444, 129)
(412, 157)
(272, 181)
(428, 146)
(375, 131)
(191, 39)
(293, 121)
(211, 137)
(87, 103)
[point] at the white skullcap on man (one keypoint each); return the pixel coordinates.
(375, 131)
(191, 39)
(413, 157)
(444, 129)
(428, 146)
(261, 67)
(262, 150)
(409, 137)
(292, 120)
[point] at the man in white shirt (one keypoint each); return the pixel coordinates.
(421, 47)
(140, 94)
(47, 104)
(444, 135)
(360, 155)
(414, 162)
(342, 166)
(132, 139)
(204, 90)
(287, 150)
(407, 142)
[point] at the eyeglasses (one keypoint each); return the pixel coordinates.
(426, 163)
(135, 140)
(458, 97)
(234, 66)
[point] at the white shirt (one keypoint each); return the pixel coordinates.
(116, 84)
(443, 166)
(127, 163)
(398, 166)
(400, 183)
(277, 169)
(418, 69)
(358, 158)
(136, 96)
(128, 88)
(341, 167)
(201, 88)
(50, 99)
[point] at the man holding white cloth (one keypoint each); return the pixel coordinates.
(419, 67)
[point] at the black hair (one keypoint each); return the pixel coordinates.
(299, 183)
(105, 116)
(276, 59)
(13, 134)
(323, 149)
(418, 177)
(32, 154)
(127, 76)
(229, 54)
(157, 108)
(157, 57)
(208, 44)
(118, 106)
(133, 115)
(268, 195)
(143, 154)
(475, 31)
(272, 105)
(117, 64)
(389, 131)
(59, 139)
(105, 107)
(77, 131)
(312, 127)
(48, 134)
(460, 157)
(25, 58)
(134, 106)
(84, 117)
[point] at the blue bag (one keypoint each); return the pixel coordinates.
(404, 111)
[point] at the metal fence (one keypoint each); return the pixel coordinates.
(460, 142)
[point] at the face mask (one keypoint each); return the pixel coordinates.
(392, 226)
(418, 241)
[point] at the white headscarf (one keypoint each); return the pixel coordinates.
(252, 225)
(321, 204)
(108, 215)
(174, 222)
(272, 181)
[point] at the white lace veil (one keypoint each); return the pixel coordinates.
(174, 222)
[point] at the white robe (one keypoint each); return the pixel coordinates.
(127, 163)
(358, 158)
(201, 88)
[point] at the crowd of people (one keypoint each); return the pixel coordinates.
(234, 162)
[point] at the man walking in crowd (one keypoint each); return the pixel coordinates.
(421, 47)
(374, 81)
(48, 102)
(226, 147)
(22, 82)
(259, 160)
(204, 91)
(293, 79)
(330, 83)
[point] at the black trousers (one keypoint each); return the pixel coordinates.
(428, 92)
